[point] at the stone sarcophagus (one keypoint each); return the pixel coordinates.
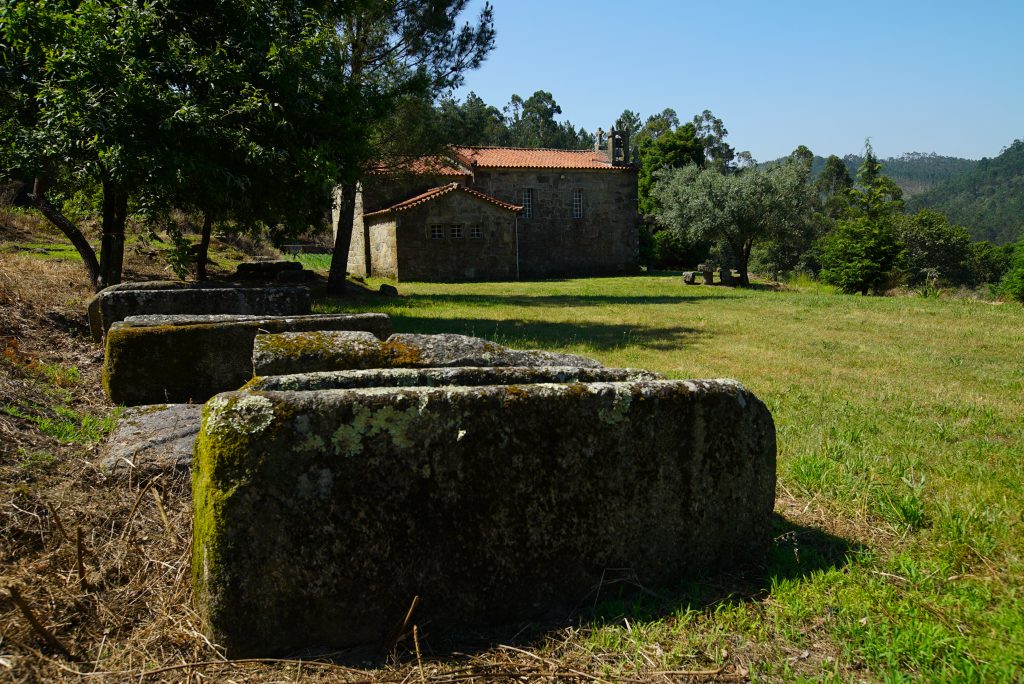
(320, 514)
(178, 359)
(160, 297)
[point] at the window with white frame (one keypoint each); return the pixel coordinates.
(527, 202)
(437, 232)
(455, 231)
(476, 232)
(577, 204)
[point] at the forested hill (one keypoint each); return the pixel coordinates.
(915, 172)
(988, 199)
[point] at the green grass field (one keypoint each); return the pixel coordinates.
(900, 506)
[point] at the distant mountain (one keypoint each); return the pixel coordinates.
(987, 199)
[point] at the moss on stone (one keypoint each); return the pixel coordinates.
(296, 345)
(401, 355)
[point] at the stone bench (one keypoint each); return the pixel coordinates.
(308, 352)
(118, 302)
(319, 515)
(177, 359)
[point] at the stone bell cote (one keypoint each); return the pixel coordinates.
(618, 145)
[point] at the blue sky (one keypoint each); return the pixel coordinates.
(944, 77)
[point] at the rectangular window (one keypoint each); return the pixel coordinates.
(577, 204)
(527, 203)
(476, 232)
(436, 232)
(455, 231)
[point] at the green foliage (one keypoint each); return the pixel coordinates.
(472, 122)
(862, 255)
(179, 256)
(711, 133)
(832, 185)
(523, 123)
(914, 172)
(864, 252)
(51, 408)
(933, 246)
(990, 263)
(671, 149)
(736, 210)
(669, 249)
(1012, 285)
(988, 197)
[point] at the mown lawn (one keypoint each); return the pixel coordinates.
(900, 507)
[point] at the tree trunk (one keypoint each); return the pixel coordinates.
(743, 254)
(342, 239)
(115, 213)
(70, 230)
(204, 246)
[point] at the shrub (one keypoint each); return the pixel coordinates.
(863, 254)
(1012, 285)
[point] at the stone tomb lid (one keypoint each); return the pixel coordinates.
(466, 376)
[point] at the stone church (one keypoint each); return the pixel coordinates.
(499, 213)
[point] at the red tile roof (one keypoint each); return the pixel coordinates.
(440, 191)
(528, 158)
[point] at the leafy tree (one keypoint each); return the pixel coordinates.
(630, 121)
(792, 249)
(937, 248)
(665, 121)
(671, 149)
(395, 52)
(531, 123)
(874, 196)
(85, 115)
(736, 210)
(233, 112)
(832, 185)
(472, 122)
(717, 153)
(864, 253)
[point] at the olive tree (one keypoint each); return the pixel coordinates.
(737, 210)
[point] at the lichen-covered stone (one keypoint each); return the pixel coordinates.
(178, 359)
(320, 515)
(319, 350)
(438, 351)
(312, 352)
(151, 439)
(441, 377)
(119, 302)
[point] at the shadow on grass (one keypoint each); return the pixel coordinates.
(518, 333)
(797, 552)
(510, 300)
(552, 301)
